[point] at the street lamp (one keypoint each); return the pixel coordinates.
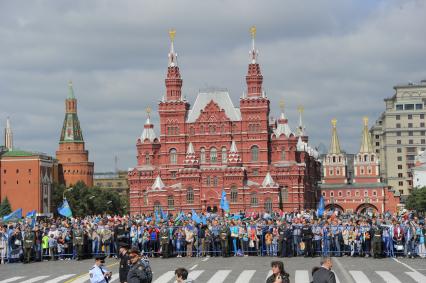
(67, 190)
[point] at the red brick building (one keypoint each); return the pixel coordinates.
(26, 177)
(214, 146)
(74, 164)
(358, 192)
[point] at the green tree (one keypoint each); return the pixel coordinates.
(417, 200)
(5, 207)
(88, 201)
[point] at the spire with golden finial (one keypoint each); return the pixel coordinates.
(366, 146)
(301, 128)
(334, 145)
(148, 115)
(172, 53)
(70, 90)
(253, 53)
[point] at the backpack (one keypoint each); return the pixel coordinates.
(148, 270)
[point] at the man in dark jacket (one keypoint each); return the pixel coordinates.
(324, 273)
(138, 272)
(124, 263)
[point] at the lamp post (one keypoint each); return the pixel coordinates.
(67, 190)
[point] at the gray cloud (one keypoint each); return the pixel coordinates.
(337, 58)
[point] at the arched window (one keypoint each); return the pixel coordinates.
(203, 155)
(213, 155)
(268, 205)
(254, 153)
(191, 131)
(147, 159)
(224, 155)
(253, 199)
(202, 129)
(234, 194)
(157, 205)
(208, 182)
(282, 154)
(372, 158)
(170, 202)
(366, 158)
(190, 195)
(212, 129)
(284, 194)
(215, 181)
(173, 156)
(334, 159)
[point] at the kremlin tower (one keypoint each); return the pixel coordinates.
(73, 158)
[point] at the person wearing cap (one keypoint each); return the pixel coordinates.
(138, 272)
(98, 273)
(124, 262)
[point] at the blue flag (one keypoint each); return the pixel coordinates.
(204, 220)
(195, 217)
(65, 209)
(321, 207)
(223, 199)
(226, 206)
(157, 216)
(31, 214)
(17, 214)
(164, 215)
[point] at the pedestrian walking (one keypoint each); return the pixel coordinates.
(123, 269)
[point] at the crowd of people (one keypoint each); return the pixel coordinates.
(300, 233)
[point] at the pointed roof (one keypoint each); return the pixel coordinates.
(282, 126)
(334, 145)
(8, 135)
(158, 184)
(71, 131)
(301, 128)
(190, 158)
(172, 53)
(190, 149)
(268, 181)
(366, 146)
(233, 157)
(301, 146)
(233, 147)
(254, 53)
(70, 91)
(148, 129)
(223, 100)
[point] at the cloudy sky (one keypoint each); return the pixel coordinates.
(337, 58)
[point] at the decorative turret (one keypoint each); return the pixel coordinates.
(190, 159)
(334, 145)
(71, 131)
(148, 129)
(72, 155)
(158, 184)
(282, 126)
(173, 80)
(254, 77)
(334, 164)
(8, 136)
(234, 157)
(366, 164)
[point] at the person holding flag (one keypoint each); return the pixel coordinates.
(65, 209)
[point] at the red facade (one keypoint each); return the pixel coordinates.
(214, 146)
(361, 192)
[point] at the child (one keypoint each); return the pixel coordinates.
(45, 245)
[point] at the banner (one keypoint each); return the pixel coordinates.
(31, 214)
(321, 207)
(16, 215)
(65, 209)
